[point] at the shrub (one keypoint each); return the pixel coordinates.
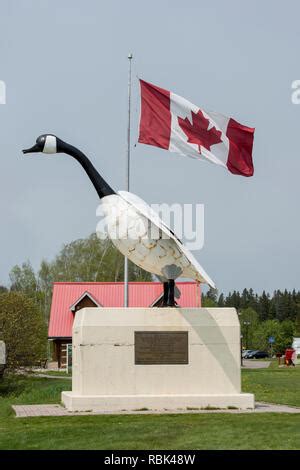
(23, 329)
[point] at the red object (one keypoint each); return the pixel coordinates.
(155, 124)
(198, 131)
(171, 122)
(109, 294)
(289, 354)
(240, 148)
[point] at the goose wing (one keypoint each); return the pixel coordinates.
(144, 209)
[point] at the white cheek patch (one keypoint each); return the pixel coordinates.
(50, 144)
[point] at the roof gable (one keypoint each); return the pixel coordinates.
(85, 294)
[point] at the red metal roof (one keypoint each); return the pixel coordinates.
(109, 294)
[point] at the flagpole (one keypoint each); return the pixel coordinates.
(127, 175)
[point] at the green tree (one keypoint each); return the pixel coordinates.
(210, 299)
(245, 299)
(23, 279)
(212, 294)
(221, 300)
(286, 335)
(249, 323)
(297, 325)
(85, 260)
(45, 280)
(264, 331)
(233, 300)
(206, 302)
(23, 329)
(281, 331)
(90, 260)
(264, 306)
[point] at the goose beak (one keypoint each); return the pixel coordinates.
(35, 148)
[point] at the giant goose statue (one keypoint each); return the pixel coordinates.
(134, 228)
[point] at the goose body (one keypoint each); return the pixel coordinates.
(134, 228)
(139, 233)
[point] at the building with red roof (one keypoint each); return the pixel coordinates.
(69, 297)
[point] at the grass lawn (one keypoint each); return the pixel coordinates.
(189, 431)
(274, 385)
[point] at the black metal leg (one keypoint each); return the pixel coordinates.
(166, 289)
(169, 293)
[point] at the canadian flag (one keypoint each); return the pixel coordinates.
(173, 123)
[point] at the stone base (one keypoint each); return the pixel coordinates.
(103, 403)
(199, 367)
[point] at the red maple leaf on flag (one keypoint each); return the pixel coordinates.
(197, 131)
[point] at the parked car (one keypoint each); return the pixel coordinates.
(249, 353)
(257, 355)
(246, 352)
(2, 358)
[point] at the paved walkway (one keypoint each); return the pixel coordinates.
(247, 364)
(253, 364)
(48, 376)
(27, 411)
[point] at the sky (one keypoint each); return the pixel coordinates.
(65, 67)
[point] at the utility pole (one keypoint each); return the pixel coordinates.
(241, 347)
(127, 186)
(247, 324)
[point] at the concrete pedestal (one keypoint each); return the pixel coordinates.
(107, 378)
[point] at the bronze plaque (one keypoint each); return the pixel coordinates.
(161, 347)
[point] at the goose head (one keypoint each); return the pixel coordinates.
(49, 143)
(46, 143)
